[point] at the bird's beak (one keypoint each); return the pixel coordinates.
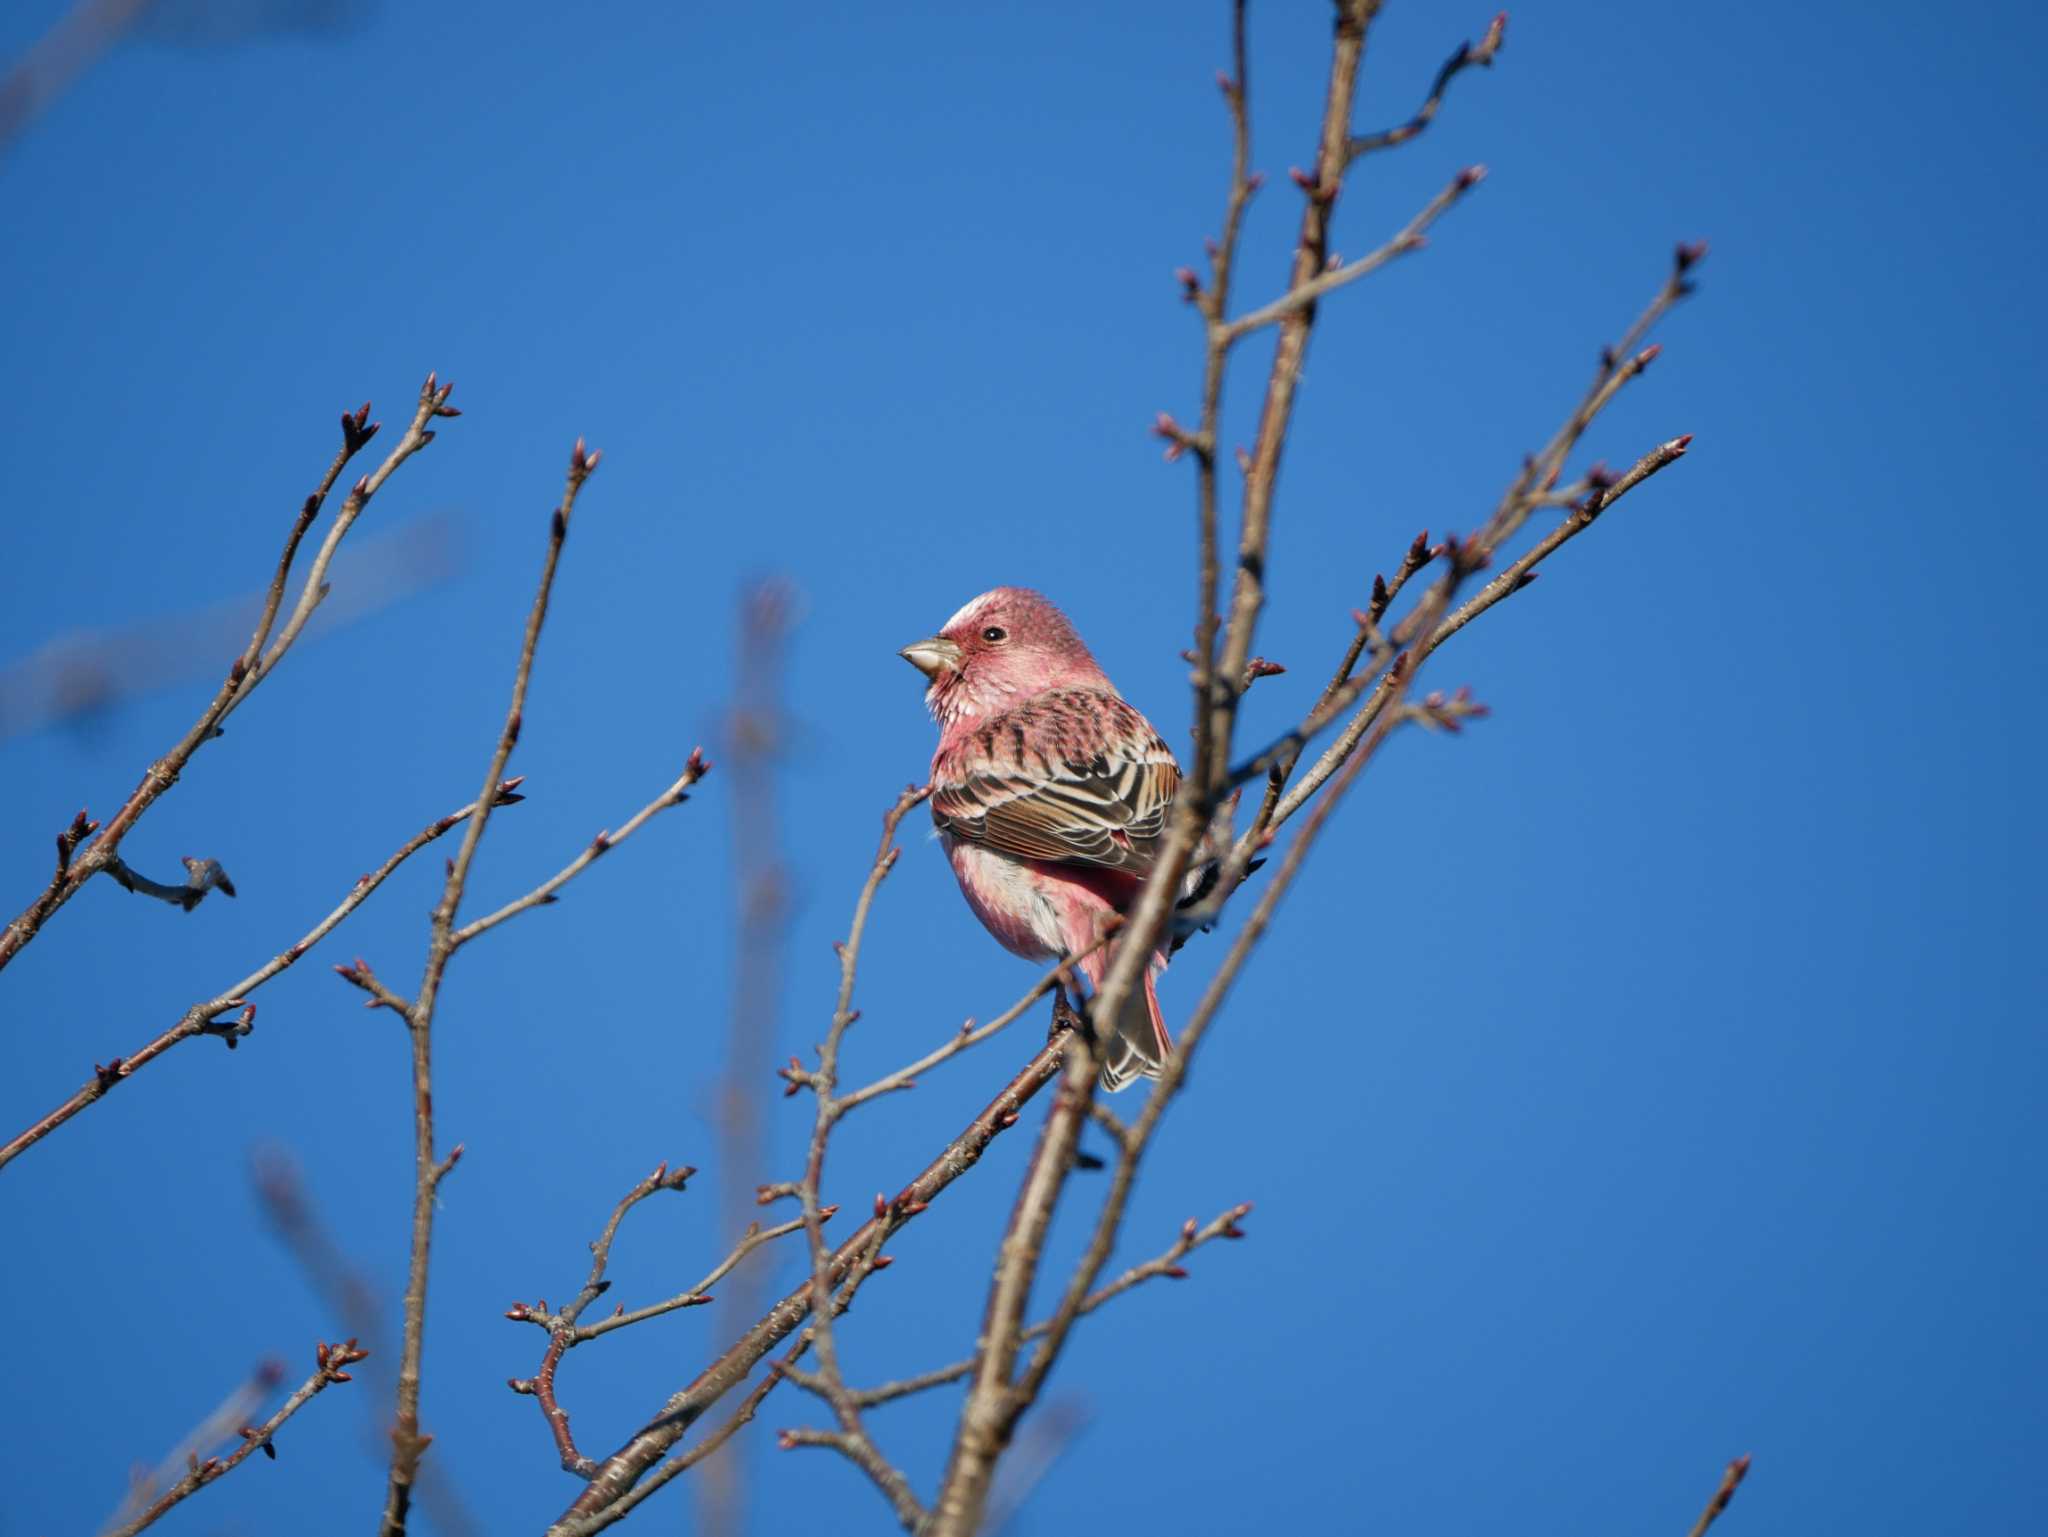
(931, 657)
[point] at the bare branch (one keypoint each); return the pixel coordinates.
(566, 1331)
(754, 1237)
(562, 1328)
(1512, 579)
(993, 1404)
(1468, 54)
(970, 1034)
(577, 1526)
(607, 1497)
(860, 1451)
(1412, 237)
(332, 1361)
(1731, 1480)
(357, 973)
(1215, 362)
(407, 1443)
(1337, 693)
(248, 669)
(201, 1018)
(741, 1417)
(1166, 1264)
(602, 844)
(433, 402)
(1520, 573)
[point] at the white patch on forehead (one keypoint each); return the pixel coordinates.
(972, 608)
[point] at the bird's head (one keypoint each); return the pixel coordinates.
(1001, 649)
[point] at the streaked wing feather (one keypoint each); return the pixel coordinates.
(1098, 796)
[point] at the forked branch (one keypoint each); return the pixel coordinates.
(80, 854)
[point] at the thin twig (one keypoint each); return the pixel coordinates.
(1214, 304)
(1468, 54)
(1731, 1480)
(332, 1359)
(971, 1034)
(1411, 237)
(1516, 575)
(407, 1443)
(752, 1239)
(861, 1452)
(1166, 1264)
(602, 844)
(433, 402)
(1368, 640)
(202, 1018)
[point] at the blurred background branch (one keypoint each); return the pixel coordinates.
(76, 681)
(757, 732)
(91, 28)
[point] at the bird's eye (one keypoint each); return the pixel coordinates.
(995, 634)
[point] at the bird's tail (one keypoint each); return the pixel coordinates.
(1134, 1044)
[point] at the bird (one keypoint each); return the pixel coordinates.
(1050, 796)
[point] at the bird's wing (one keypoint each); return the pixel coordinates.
(1075, 776)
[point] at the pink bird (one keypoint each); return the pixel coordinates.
(1050, 795)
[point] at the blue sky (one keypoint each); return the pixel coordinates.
(1649, 1075)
